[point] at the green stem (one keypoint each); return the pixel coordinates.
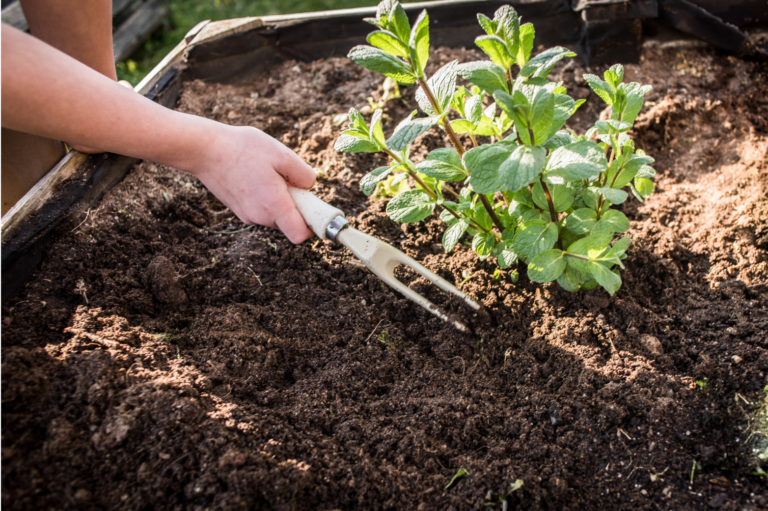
(576, 256)
(438, 111)
(552, 213)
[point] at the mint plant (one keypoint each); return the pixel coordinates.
(527, 187)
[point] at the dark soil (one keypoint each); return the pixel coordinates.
(164, 356)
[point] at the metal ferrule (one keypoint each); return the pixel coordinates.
(336, 225)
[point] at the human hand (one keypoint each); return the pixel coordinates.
(249, 172)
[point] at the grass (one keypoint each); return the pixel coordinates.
(185, 14)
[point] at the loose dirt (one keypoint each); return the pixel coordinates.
(165, 356)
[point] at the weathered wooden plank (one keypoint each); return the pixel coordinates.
(631, 9)
(136, 29)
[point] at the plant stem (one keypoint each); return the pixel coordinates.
(491, 212)
(474, 140)
(552, 212)
(438, 111)
(576, 256)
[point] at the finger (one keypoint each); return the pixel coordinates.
(295, 171)
(291, 222)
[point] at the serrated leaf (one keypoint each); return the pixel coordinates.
(527, 34)
(474, 108)
(600, 237)
(534, 238)
(564, 108)
(601, 88)
(635, 96)
(411, 206)
(443, 86)
(605, 277)
(581, 221)
(542, 115)
(398, 22)
(505, 254)
(562, 197)
(540, 65)
(419, 42)
(407, 131)
(379, 61)
(483, 243)
(483, 164)
(357, 122)
(577, 161)
(619, 248)
(616, 219)
(613, 195)
(496, 49)
(546, 266)
(488, 25)
(377, 131)
(522, 167)
(482, 217)
(580, 248)
(387, 42)
(646, 172)
(369, 182)
(567, 279)
(559, 139)
(486, 75)
(347, 143)
(443, 164)
(644, 187)
(454, 233)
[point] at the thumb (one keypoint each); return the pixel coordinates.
(290, 221)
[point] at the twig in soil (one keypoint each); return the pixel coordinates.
(87, 214)
(257, 277)
(81, 290)
(247, 228)
(739, 396)
(624, 433)
(657, 476)
(373, 332)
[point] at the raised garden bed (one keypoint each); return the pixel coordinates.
(166, 356)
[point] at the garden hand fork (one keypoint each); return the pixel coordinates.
(381, 258)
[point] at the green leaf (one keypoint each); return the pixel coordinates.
(635, 94)
(581, 221)
(443, 85)
(347, 143)
(482, 217)
(605, 127)
(562, 197)
(580, 248)
(616, 219)
(484, 127)
(614, 75)
(357, 122)
(527, 34)
(567, 280)
(508, 28)
(483, 164)
(443, 164)
(461, 473)
(377, 132)
(379, 61)
(601, 88)
(546, 266)
(410, 206)
(576, 161)
(619, 248)
(462, 126)
(613, 195)
(398, 22)
(564, 108)
(457, 101)
(488, 25)
(505, 254)
(388, 42)
(483, 243)
(542, 115)
(419, 42)
(369, 182)
(644, 187)
(605, 277)
(454, 233)
(407, 131)
(522, 167)
(486, 75)
(496, 49)
(559, 139)
(540, 65)
(534, 238)
(599, 238)
(474, 108)
(591, 197)
(646, 172)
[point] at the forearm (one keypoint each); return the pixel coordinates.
(82, 29)
(77, 104)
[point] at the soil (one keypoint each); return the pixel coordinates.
(165, 356)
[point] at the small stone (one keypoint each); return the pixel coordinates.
(82, 495)
(651, 344)
(554, 415)
(718, 500)
(736, 359)
(644, 492)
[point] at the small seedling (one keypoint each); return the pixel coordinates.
(461, 473)
(536, 191)
(693, 469)
(385, 339)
